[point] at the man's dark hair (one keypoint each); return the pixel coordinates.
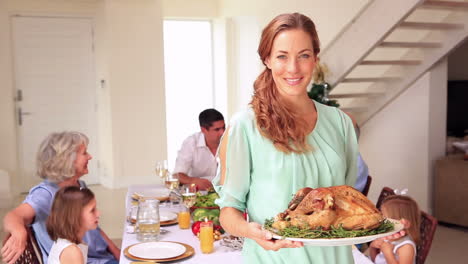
(208, 117)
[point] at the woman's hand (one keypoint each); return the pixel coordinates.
(234, 223)
(13, 246)
(265, 238)
(14, 224)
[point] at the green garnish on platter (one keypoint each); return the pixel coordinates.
(334, 232)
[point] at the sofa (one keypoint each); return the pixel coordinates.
(451, 190)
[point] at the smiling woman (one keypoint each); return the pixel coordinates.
(292, 61)
(289, 47)
(285, 142)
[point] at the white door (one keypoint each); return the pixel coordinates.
(55, 86)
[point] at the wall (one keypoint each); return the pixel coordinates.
(8, 139)
(400, 142)
(457, 69)
(8, 160)
(105, 135)
(129, 60)
(437, 129)
(247, 18)
(330, 16)
(135, 69)
(244, 65)
(195, 9)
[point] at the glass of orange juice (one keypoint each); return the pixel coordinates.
(183, 217)
(206, 237)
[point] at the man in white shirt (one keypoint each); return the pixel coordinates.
(196, 160)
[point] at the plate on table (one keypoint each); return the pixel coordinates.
(165, 216)
(168, 223)
(398, 226)
(161, 251)
(160, 194)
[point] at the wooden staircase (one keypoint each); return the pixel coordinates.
(387, 47)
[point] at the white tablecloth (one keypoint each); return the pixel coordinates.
(221, 254)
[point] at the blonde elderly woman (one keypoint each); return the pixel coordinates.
(61, 161)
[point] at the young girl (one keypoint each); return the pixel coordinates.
(73, 213)
(402, 250)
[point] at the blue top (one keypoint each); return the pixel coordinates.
(363, 172)
(263, 180)
(40, 198)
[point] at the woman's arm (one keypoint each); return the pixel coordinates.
(113, 249)
(231, 218)
(72, 255)
(14, 224)
(234, 223)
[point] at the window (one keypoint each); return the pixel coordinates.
(188, 65)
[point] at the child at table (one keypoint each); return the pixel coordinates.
(402, 250)
(73, 213)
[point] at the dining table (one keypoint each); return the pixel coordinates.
(172, 233)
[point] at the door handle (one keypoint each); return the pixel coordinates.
(21, 114)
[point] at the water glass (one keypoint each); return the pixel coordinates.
(132, 214)
(174, 198)
(147, 221)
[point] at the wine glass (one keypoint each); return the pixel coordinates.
(172, 181)
(161, 169)
(189, 198)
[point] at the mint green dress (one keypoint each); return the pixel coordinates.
(263, 180)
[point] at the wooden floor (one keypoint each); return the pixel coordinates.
(449, 245)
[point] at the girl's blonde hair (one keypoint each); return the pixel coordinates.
(57, 153)
(64, 220)
(276, 119)
(402, 206)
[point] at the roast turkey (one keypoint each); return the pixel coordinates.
(332, 206)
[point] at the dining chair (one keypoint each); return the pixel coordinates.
(32, 253)
(427, 228)
(386, 191)
(365, 191)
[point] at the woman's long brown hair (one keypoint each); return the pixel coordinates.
(276, 119)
